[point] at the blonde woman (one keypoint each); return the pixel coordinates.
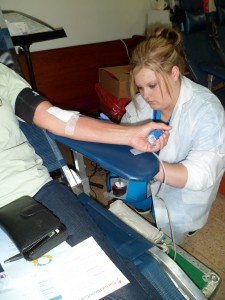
(194, 157)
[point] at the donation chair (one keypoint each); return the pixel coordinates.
(169, 279)
(219, 17)
(205, 62)
(152, 262)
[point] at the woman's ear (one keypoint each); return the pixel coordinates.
(175, 73)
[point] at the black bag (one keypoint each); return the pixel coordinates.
(32, 227)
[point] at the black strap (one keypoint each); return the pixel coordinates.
(26, 104)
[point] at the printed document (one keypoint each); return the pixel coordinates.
(68, 273)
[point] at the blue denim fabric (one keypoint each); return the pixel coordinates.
(64, 204)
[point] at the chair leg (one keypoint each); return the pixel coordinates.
(81, 170)
(210, 81)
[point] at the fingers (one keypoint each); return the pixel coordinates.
(161, 142)
(140, 139)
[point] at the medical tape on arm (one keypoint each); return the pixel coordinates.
(67, 116)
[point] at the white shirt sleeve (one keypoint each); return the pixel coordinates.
(203, 169)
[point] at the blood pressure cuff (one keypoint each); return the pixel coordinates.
(26, 103)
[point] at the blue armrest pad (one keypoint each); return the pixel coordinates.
(115, 158)
(214, 70)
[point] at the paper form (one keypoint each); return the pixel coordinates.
(68, 273)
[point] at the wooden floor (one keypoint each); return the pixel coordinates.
(207, 245)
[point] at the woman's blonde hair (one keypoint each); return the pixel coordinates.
(160, 52)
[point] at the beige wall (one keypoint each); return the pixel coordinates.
(85, 21)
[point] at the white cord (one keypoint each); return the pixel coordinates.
(125, 48)
(159, 196)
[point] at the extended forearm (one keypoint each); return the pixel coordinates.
(88, 129)
(92, 130)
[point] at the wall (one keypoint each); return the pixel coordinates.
(67, 76)
(85, 21)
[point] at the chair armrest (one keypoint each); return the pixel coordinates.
(115, 158)
(214, 70)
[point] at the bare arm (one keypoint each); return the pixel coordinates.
(176, 174)
(92, 130)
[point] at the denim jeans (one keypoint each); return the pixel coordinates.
(64, 204)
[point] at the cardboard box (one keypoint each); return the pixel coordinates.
(115, 80)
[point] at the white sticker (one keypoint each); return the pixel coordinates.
(61, 114)
(135, 151)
